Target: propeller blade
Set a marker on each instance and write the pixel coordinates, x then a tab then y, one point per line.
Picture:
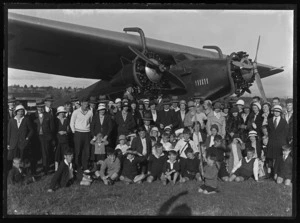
142	56
260	87
173	78
257	49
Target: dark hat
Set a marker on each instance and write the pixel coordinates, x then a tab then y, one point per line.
141	102
166	101
74	98
235	136
49	97
226	106
152	102
11	99
175	99
288	101
147	116
214	126
191	104
102	99
93	100
217	105
133	102
197	96
84	99
124	104
40	103
234	109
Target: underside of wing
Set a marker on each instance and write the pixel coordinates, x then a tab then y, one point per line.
53	47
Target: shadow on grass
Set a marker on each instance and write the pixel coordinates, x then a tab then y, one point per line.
179	210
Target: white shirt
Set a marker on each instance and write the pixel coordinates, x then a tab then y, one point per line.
123	148
19	121
47	109
167	146
144	146
211	143
80	122
217	115
235	154
154	115
181	145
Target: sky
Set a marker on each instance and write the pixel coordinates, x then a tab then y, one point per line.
231	30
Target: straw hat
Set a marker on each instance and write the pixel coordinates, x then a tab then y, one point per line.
40	103
61	109
11	99
101	107
277	108
240	102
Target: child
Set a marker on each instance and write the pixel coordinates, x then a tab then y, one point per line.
99	155
173	139
16	175
155	163
123	146
200	116
170	168
64	175
130	167
110	168
210	174
219	151
247	167
165	141
284	166
62	130
155	133
214	129
191	168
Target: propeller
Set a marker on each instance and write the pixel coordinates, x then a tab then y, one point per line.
257	76
159	67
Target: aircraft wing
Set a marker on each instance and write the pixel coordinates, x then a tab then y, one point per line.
53	47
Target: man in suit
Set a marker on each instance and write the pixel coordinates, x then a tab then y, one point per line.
142	144
278	135
19	134
44	128
147	120
48	105
93	104
11	106
159	103
175	102
181	114
167	116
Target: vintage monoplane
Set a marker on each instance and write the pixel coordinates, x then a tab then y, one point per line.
120	60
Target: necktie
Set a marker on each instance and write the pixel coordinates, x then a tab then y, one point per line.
275	123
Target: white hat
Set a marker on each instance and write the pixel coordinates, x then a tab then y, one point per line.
252	133
240	102
178	131
277	108
208	101
101	107
19	107
257	104
61	109
118	100
146	101
154	129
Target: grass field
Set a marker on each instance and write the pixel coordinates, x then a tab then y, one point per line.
234	199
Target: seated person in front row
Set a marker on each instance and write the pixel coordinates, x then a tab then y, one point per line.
130	167
218	151
64	176
190	169
284	166
110	168
210	175
247	167
16	175
156	162
170	168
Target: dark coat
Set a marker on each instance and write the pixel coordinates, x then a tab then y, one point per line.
62	127
127	126
17	136
284	168
61	176
155	165
258	121
179	120
277	138
137	145
232	126
105	128
137	117
15	177
130	168
167	118
52	112
48	125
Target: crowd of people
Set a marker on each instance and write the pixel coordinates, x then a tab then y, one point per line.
137	141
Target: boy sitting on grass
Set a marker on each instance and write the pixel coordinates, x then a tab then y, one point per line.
110	168
284	166
64	176
170	168
210	175
16	175
130	167
247	167
156	162
190	169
